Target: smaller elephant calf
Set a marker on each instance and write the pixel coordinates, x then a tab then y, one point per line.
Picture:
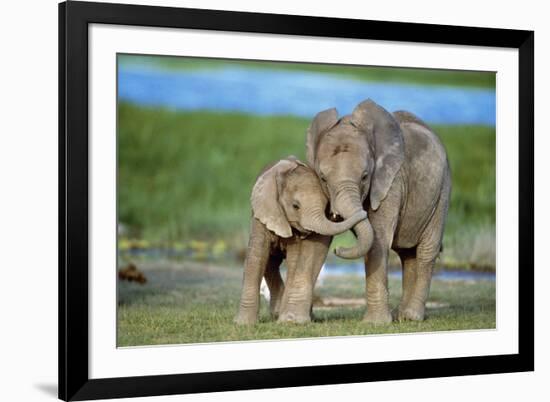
288	222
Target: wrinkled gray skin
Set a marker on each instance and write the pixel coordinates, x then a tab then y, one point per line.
394	167
289	222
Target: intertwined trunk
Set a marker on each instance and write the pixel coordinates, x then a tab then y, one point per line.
316	221
347	203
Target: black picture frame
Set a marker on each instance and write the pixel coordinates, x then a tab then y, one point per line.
74	18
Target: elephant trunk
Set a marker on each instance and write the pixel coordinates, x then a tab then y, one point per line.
365	236
348	203
316	221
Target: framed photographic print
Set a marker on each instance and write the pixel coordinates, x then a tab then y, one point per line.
258	200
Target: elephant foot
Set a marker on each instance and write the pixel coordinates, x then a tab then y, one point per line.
294	318
275	312
245	319
378	317
410	314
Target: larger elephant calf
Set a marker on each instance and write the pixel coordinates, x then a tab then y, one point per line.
394	167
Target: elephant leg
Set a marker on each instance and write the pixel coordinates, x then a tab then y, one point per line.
320	245
257	257
304	261
414	308
427	252
408	266
320	250
295	294
275	284
383	222
378	310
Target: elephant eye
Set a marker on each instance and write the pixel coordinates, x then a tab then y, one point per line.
323	179
296	205
364	177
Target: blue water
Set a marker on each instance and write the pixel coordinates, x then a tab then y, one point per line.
274	92
329	269
445	275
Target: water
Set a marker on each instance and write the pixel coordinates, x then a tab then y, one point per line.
329	269
446	275
303	94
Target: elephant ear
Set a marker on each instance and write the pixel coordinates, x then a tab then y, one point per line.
265	198
321	123
385	135
402	116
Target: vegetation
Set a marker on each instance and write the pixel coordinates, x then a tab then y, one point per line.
364	73
191	302
187	176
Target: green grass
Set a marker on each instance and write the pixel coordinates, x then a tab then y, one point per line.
363	73
186	176
470	228
190	302
183	174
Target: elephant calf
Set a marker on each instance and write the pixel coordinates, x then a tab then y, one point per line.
288	221
395	167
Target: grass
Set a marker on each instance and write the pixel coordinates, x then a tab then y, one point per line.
191	302
363	73
192	173
188	176
470	228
